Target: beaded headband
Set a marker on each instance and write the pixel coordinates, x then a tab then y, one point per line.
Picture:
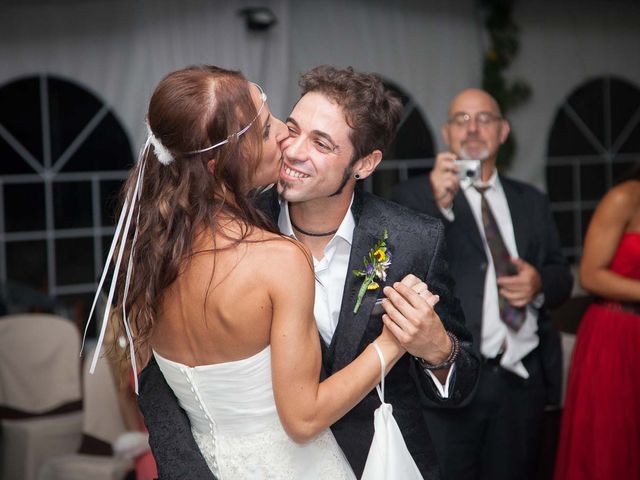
263	97
165	157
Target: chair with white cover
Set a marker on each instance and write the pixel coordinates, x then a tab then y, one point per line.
102	426
40	397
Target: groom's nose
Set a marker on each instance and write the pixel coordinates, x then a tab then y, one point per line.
295	148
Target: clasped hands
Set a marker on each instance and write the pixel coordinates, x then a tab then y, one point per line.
411	318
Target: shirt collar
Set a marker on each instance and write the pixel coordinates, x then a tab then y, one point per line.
345	230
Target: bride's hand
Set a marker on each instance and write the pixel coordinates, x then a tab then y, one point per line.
387	338
390	344
410	316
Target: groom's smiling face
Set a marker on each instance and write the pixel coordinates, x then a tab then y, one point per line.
317	154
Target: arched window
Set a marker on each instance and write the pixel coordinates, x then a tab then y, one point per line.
594	139
412	151
63	156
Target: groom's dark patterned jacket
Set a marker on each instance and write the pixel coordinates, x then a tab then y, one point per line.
417	244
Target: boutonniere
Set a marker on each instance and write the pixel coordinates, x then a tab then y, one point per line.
375	267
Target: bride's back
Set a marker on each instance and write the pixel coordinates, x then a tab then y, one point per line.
219	307
216	318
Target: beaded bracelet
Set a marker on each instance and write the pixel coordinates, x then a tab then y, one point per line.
455	350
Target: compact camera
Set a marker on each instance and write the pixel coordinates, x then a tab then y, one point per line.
469	170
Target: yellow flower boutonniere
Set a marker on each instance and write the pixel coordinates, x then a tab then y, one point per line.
375	267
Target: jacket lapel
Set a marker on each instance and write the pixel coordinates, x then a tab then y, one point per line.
351	326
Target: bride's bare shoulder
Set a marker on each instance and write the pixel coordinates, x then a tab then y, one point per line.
280	247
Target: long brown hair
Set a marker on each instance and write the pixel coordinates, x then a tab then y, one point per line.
190	109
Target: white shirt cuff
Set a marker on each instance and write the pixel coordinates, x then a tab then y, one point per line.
447	213
443	390
538	301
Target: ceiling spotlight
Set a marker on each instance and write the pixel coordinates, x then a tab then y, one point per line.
259	18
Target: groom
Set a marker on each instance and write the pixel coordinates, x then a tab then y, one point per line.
338	131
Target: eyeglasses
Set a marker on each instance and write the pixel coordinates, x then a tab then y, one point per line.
462	119
263	97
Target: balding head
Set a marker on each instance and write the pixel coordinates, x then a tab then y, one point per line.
475	128
474	97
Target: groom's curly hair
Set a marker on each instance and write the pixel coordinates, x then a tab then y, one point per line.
371	110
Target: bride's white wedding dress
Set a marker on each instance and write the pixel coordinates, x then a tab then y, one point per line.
235	423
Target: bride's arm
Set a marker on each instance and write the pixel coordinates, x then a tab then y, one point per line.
305	406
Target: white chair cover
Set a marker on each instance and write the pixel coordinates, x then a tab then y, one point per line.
102	420
102	417
39	372
39	363
28	444
83	467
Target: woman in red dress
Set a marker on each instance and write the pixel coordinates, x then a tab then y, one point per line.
600	434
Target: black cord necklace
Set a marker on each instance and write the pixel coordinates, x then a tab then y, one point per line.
324	234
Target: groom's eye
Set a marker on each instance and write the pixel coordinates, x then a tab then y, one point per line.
323	147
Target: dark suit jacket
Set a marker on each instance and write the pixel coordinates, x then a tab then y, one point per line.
417	245
537	242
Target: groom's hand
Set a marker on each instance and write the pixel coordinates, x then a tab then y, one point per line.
420	288
415	284
413	321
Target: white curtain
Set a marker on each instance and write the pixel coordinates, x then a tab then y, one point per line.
563	45
120	49
432	48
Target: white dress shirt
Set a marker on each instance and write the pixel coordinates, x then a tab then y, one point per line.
330	272
496	336
331	275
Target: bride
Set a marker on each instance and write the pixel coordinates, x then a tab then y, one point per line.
219	297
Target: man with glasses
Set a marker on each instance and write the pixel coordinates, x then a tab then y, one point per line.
506	260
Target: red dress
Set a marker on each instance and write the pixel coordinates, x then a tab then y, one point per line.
600	434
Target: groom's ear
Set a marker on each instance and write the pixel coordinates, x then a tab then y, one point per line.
368	164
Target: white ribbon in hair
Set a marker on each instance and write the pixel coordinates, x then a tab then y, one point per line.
164	156
120	237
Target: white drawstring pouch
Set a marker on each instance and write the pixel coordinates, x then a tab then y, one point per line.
388	458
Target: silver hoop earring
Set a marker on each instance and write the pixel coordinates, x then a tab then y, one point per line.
356	176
